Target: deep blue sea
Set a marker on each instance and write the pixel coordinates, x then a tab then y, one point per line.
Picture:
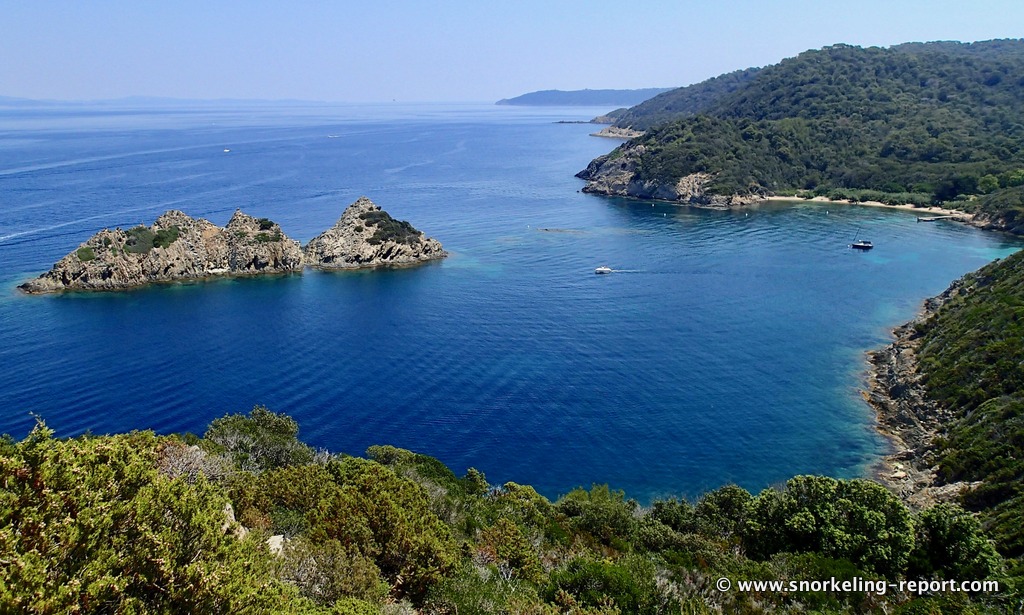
729	346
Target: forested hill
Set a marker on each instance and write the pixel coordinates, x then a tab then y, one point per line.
583	97
920	121
681	102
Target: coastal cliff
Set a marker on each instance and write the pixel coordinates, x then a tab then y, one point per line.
620	174
367	236
175	247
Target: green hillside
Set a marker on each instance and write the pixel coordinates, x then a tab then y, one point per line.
681	102
914	123
972	358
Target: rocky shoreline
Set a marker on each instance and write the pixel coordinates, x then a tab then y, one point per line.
614	132
907	417
177	247
618	174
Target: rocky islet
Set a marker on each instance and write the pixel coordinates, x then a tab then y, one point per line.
366	236
178	247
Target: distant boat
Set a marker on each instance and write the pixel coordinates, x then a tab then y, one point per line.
860	245
226	150
603	270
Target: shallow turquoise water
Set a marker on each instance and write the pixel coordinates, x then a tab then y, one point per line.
730	348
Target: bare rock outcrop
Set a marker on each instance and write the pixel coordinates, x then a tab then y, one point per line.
366	236
175	247
614	132
618	174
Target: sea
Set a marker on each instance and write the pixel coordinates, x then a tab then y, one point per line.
726	346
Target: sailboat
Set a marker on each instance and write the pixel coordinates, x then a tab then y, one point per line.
861	245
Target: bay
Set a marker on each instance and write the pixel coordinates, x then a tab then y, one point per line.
727	347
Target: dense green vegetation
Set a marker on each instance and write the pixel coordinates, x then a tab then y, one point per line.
388	228
681	102
85	254
940	119
140	523
972	358
141	239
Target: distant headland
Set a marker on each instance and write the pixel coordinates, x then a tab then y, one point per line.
177	247
924	124
617	98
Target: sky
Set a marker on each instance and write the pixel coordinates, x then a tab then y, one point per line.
437	50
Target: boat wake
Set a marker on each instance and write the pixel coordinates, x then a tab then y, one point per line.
605	270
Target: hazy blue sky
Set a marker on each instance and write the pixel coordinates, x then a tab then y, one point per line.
458	50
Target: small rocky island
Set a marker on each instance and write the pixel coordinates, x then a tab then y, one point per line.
366	236
175	247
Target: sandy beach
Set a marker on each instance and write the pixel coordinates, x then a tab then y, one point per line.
931	210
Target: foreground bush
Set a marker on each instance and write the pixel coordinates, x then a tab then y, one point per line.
89	525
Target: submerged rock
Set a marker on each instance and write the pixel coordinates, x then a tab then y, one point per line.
175	247
366	236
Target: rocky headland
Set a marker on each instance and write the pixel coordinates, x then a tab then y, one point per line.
175	247
614	132
618	174
367	236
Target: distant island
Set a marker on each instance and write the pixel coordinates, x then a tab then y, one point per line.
177	247
919	123
583	98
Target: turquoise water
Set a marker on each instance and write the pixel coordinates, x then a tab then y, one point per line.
728	348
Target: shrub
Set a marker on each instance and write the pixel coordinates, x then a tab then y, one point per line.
389	229
90	525
268	237
166	236
85	254
329	571
676	514
951	545
857	520
139	240
723	513
505	546
261	441
629	583
605	514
